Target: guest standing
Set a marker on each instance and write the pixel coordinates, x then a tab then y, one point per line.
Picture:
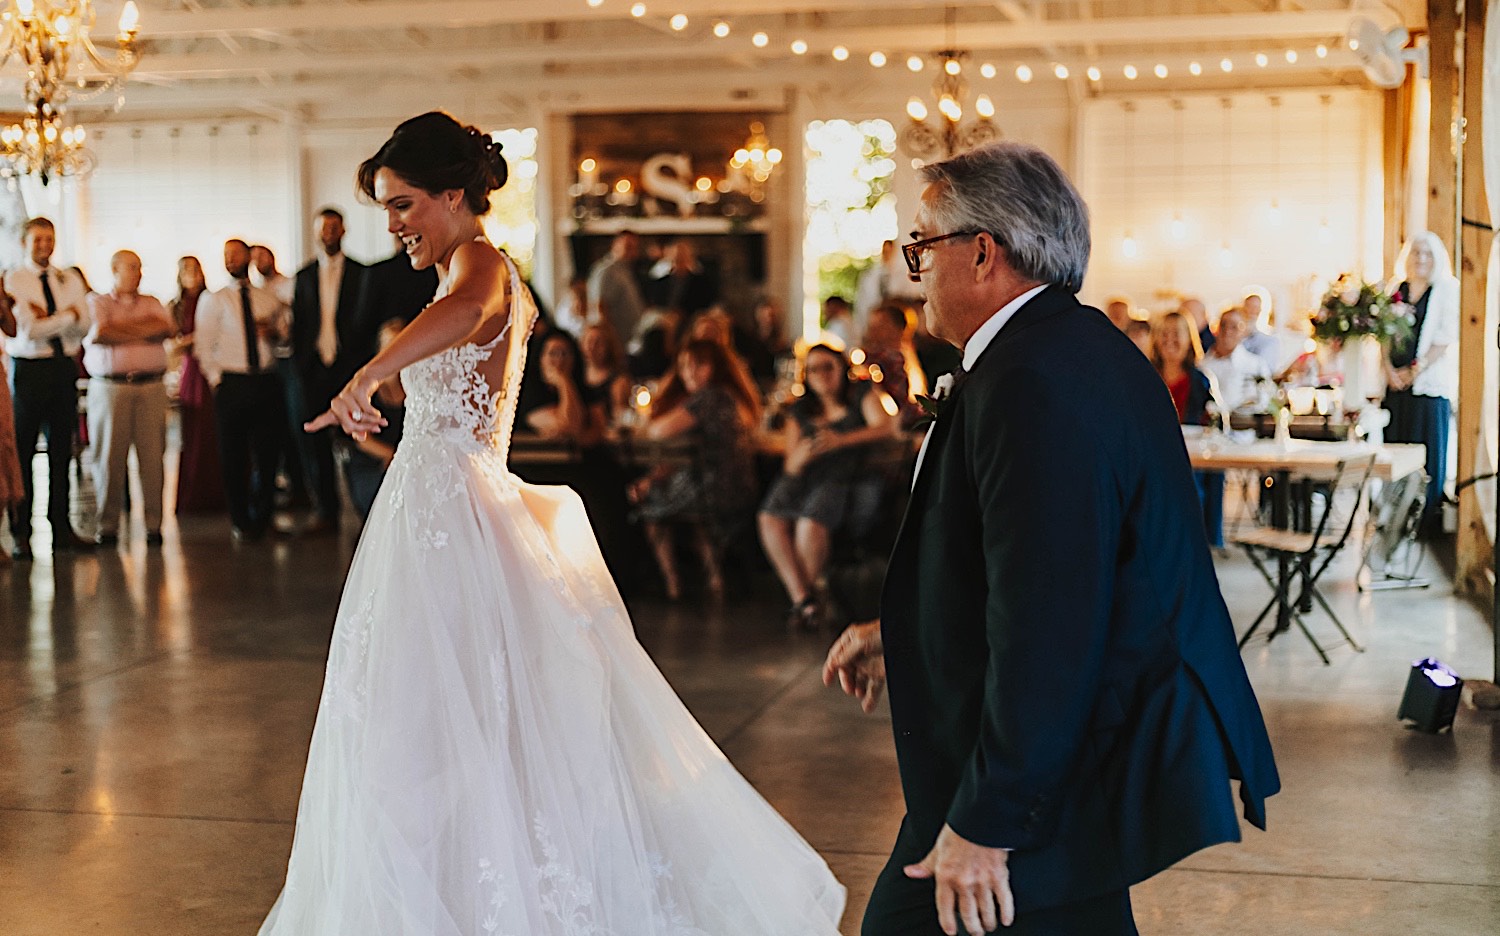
614	294
891	353
1422	372
820	490
294	449
1230	363
767	343
11	488
679	281
237	329
702	400
127	402
393	290
51	320
200	480
606	387
838	320
328	347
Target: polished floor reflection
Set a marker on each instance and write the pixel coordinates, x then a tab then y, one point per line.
155	708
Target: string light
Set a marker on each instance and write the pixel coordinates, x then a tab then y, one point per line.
1023	73
952	67
679	22
1094	73
595	3
914	63
1061	71
760	40
721	29
987	70
1195	69
1291	56
799	47
1322	51
638	11
1261	59
1160	70
1226	66
1130	72
877	59
840	54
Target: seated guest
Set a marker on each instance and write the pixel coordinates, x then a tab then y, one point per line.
1174	351
767	342
1139	331
606	387
127	401
713	324
1194	309
1231	366
653	347
838	319
820	489
369	458
891	353
556	410
704	401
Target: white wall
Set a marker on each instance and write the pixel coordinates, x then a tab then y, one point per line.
1222	177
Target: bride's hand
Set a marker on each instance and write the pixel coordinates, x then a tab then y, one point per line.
351	410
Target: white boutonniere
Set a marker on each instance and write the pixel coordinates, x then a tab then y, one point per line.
942	391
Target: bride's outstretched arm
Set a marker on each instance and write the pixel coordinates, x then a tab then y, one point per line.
480	293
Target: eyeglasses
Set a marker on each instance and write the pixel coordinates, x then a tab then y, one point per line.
915	252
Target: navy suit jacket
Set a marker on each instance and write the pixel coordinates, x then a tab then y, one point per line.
1064	679
356	344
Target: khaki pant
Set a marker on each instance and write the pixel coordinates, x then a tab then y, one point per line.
120	416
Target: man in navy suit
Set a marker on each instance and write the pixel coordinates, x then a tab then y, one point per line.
1068	701
328	346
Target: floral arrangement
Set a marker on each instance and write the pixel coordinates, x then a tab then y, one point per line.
1353	308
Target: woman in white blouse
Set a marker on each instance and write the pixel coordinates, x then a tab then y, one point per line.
1422	371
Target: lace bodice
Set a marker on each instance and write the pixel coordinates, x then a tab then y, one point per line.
448	397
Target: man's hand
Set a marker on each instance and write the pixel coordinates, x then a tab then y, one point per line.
973	884
857	660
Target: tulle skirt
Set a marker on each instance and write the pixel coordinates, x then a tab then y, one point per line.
496	754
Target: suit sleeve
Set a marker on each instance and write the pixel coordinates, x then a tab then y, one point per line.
1050	518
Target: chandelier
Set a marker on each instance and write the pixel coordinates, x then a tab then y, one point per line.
54	39
757	159
948	133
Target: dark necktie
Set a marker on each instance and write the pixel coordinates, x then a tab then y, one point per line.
56	343
252	341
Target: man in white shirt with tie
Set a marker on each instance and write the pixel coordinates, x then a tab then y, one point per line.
237	328
51	320
328	346
295	452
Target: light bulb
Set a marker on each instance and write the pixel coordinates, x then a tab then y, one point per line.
1226	256
877	59
760	40
840	54
1261	60
678	22
1128	247
914	63
799	47
1195	69
916	110
774	156
1160	70
984	107
1061	71
1226	66
1322	50
622	186
1023	73
638	11
26	8
596	3
987	70
950	109
1094	73
1291	56
952	67
588	165
1353	45
1179	228
1130	72
721	29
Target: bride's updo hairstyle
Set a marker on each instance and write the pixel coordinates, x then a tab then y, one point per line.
436	153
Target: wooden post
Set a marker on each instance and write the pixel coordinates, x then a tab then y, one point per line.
1442	171
1474	549
1397	116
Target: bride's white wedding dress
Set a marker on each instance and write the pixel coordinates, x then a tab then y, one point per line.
494	752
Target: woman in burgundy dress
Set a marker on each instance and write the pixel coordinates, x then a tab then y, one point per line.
200	485
10	463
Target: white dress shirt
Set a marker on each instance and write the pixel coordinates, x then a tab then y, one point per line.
330	279
34	331
130	357
973	348
220	334
1235	374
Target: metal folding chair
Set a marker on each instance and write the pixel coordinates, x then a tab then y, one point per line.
1305	555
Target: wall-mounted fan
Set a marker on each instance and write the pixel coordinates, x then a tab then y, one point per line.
1383	52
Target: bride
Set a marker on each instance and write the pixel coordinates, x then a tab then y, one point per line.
494	752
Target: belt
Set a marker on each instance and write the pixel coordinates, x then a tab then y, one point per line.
139	377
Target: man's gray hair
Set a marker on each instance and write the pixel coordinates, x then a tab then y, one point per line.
1021	197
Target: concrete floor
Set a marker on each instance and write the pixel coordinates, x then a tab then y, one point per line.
155	708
